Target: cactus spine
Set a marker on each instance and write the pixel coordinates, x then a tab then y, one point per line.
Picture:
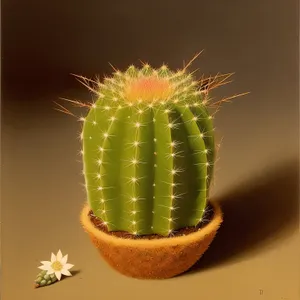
148	151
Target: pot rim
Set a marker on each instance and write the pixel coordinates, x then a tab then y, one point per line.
212	226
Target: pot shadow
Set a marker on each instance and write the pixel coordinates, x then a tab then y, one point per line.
257	215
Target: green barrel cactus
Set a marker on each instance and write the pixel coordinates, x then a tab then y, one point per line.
148	151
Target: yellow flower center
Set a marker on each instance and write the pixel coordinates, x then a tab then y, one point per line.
148	89
56	266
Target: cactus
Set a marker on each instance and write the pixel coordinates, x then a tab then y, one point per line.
148	151
43	279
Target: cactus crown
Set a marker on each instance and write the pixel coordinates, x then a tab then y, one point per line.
148	87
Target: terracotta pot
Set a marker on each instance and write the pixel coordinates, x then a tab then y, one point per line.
153	259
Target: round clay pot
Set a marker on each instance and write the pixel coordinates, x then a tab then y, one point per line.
156	258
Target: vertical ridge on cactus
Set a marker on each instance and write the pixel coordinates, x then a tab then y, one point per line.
148	151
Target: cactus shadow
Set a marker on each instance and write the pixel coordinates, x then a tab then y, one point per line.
257	215
74	273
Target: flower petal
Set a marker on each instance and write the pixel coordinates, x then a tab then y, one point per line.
64	259
46	263
50	271
58	275
66	272
68	266
59	255
45	268
53	257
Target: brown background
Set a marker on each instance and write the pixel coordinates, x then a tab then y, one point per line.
255	255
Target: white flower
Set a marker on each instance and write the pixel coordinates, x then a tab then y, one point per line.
57	265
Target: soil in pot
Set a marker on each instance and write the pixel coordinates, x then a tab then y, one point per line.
208	216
